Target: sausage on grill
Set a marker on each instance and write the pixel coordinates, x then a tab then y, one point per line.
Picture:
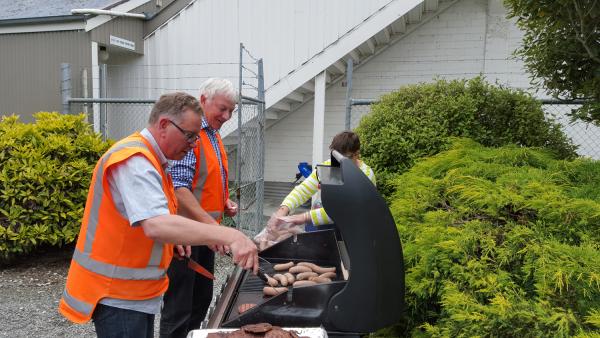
283	266
306	275
281	278
298	269
304	283
271	291
272	281
291	279
328	275
316	268
320	279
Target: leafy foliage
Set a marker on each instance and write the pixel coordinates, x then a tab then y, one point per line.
415	122
561	48
45	172
499	242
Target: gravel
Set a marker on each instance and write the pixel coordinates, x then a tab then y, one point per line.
31	290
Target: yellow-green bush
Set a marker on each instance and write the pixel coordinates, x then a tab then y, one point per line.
499	242
45	170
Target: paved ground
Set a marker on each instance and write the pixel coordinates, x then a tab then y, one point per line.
31	289
30	292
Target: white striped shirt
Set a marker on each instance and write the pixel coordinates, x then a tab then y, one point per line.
309	187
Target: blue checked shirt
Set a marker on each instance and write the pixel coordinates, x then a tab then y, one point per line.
183	170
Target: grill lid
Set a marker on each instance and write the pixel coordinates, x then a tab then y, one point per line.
374	295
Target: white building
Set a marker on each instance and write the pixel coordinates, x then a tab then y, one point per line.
304	45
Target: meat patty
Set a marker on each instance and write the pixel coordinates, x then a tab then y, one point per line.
257	328
245	307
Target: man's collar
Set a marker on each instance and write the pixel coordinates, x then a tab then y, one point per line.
161	157
207	126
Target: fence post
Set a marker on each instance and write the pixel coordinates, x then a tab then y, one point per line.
84	91
103	106
260	185
65	86
238	162
349	68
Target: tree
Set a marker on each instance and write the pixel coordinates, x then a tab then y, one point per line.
561	49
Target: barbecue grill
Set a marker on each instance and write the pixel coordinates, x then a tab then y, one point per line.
368	291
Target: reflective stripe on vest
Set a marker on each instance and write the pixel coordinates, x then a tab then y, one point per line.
114	271
81	306
157	249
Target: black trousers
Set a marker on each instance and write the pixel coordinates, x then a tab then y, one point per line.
112	322
189	295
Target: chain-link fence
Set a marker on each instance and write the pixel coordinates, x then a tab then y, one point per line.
585	135
250	147
358	109
118	118
243	134
248	154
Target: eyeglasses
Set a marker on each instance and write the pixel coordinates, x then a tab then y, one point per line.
190	136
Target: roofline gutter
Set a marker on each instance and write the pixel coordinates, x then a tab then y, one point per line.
108	12
42	20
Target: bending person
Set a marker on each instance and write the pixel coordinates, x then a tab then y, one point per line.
118	273
201	187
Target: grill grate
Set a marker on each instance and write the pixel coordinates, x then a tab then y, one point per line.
252	283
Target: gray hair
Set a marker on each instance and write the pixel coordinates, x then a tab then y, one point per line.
215	86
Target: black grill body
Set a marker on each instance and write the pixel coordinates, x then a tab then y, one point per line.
365	242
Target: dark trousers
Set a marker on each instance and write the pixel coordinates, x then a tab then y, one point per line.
112	322
189	295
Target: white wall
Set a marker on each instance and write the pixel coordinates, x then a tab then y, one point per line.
203	40
470	38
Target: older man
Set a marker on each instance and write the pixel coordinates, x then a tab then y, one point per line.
201	187
118	271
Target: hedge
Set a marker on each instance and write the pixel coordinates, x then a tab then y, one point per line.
499	242
45	173
415	122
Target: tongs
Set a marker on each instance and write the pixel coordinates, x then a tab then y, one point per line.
261	273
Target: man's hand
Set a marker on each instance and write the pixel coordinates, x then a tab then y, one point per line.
231	208
220	249
182	251
245	252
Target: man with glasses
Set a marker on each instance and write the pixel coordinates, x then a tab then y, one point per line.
190	136
118	271
201	187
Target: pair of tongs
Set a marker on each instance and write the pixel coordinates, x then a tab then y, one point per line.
261	273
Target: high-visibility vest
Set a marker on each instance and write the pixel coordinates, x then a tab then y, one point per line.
207	184
112	258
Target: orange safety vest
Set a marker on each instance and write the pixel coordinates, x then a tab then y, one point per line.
206	184
112	258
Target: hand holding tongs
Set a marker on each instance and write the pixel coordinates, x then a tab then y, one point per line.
261	273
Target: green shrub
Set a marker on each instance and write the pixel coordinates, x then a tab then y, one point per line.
499	242
415	122
45	171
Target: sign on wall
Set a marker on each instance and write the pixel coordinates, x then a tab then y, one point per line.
117	41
